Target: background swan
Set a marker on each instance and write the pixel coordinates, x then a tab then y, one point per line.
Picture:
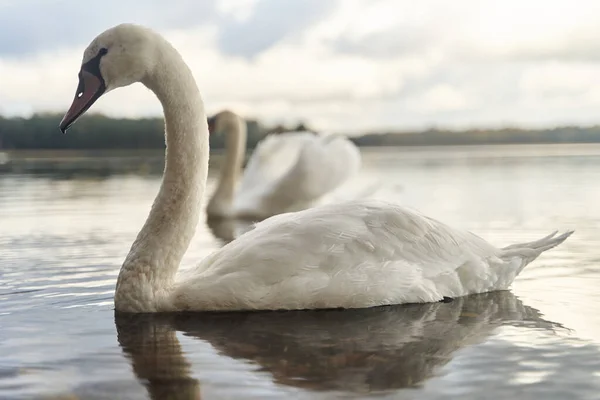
286	172
351	255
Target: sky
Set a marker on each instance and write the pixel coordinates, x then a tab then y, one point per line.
344	66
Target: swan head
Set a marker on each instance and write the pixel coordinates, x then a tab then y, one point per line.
118	57
223	121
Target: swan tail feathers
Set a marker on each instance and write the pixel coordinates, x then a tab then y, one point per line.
531	250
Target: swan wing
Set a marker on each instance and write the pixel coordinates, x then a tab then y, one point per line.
314	166
323	165
353	254
271	159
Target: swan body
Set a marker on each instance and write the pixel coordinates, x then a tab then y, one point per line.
286	172
352	254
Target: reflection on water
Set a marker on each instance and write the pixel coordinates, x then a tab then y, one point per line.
65	230
361	351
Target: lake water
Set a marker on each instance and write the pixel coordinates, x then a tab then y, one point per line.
66	225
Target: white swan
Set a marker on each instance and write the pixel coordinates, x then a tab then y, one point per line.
351	255
287	172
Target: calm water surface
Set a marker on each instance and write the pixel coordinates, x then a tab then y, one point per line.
64	235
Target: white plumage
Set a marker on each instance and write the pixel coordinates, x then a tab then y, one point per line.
351	254
286	172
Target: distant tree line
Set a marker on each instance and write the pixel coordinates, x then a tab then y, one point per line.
96	131
568	134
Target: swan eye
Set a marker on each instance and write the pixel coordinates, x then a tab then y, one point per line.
102	51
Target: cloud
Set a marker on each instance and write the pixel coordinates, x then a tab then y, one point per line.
31	26
390	29
270	22
347	66
472	30
63	23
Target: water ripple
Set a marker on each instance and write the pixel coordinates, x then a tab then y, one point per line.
62	242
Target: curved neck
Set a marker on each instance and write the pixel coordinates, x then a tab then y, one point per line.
235	150
150	267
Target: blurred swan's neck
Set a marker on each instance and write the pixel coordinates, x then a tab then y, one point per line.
220	205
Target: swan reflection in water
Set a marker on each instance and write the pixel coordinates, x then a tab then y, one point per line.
353	351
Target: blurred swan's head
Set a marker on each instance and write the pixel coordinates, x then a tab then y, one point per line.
223	121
